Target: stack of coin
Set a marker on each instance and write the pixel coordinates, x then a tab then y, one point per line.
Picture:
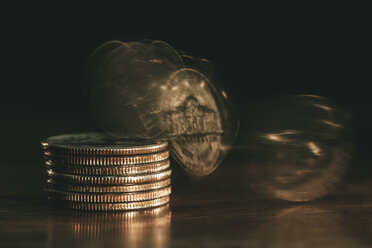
93	171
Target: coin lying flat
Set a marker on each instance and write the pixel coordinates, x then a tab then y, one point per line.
108	189
97	172
99	144
123	170
108	180
109	198
106	161
112	206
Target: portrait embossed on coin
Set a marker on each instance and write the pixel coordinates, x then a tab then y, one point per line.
192	120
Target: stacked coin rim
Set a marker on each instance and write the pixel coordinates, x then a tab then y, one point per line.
106	177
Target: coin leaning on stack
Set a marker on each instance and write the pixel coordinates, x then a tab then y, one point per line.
93	171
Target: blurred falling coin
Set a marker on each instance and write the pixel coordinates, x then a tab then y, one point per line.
152	94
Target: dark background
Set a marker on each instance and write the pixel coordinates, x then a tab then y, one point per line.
260	51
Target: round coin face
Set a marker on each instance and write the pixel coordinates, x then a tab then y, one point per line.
125	206
122	77
194	122
144	90
99	144
298	147
198	123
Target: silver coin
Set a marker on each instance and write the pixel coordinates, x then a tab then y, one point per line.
135	71
108	189
123	170
106	161
108	180
99	144
112	206
164	99
108	198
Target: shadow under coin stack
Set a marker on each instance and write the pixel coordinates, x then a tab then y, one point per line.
95	172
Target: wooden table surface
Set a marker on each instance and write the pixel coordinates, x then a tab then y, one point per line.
218	211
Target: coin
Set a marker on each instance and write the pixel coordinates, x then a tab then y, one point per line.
94	171
107	161
112	206
109	198
112	170
108	189
108	180
99	144
136	71
164	99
